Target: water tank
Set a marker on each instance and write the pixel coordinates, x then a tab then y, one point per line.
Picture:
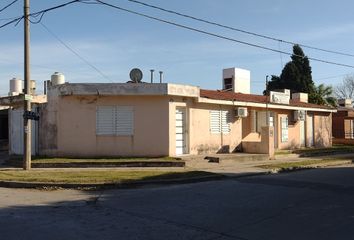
16	87
57	78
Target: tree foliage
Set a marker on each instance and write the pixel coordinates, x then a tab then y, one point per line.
323	95
296	75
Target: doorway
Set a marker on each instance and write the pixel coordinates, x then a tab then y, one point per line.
309	130
181	131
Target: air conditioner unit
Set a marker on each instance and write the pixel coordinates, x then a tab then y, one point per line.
299	115
241	112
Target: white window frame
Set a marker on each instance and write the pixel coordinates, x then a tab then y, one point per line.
220	121
284	129
115	121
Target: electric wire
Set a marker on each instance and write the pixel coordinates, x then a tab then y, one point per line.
218	35
18	19
8	5
240	30
75	52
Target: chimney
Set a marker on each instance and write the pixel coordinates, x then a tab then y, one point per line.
236	80
345	103
300	97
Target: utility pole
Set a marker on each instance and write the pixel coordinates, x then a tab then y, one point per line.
27	102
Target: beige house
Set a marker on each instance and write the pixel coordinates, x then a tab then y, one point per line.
163	119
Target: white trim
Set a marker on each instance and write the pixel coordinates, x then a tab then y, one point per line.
261	105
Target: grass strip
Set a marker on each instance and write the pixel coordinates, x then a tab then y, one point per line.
95	176
301	164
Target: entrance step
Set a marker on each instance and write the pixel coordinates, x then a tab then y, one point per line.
227	158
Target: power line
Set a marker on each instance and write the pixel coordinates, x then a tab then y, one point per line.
74	52
218	35
8	5
240	30
42	12
10	18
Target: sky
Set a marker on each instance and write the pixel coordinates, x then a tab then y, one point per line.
115	42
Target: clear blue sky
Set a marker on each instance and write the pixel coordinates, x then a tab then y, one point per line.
116	42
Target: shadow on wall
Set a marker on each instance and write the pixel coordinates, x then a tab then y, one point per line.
212	149
224	149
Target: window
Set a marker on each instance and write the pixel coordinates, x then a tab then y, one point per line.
219	121
284	129
115	120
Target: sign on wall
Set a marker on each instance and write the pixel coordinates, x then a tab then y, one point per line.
280	97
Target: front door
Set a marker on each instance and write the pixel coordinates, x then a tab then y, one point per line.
302	133
309	131
181	143
273	123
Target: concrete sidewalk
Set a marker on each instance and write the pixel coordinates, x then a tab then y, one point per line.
241	168
229	165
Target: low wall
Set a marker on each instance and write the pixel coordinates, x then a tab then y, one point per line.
264	145
343	141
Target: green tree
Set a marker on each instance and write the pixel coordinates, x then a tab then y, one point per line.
296	74
323	95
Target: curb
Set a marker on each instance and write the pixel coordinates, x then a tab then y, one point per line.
314	166
14	184
132	164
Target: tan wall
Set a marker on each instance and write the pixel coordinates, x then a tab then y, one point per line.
260	143
293	131
199	139
323	129
76	128
68	128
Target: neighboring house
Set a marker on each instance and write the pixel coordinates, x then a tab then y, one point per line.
4	133
343	122
163	119
11	118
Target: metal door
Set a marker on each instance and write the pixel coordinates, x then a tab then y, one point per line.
302	133
181	143
16	133
309	131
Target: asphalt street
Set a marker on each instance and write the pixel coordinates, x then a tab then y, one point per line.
309	204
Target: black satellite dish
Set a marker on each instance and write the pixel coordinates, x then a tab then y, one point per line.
136	75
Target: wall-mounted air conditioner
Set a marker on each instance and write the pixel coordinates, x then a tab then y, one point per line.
299	115
241	112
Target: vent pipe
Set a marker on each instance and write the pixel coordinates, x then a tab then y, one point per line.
161	75
152	75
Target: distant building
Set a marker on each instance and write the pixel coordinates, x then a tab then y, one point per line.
343	122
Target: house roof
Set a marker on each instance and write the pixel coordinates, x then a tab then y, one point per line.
232	96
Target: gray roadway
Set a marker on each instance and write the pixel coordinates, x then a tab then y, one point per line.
311	204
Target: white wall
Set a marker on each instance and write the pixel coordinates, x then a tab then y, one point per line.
16	133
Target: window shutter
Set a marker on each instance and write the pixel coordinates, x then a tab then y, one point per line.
225	120
215	121
124	120
220	121
115	120
105	120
